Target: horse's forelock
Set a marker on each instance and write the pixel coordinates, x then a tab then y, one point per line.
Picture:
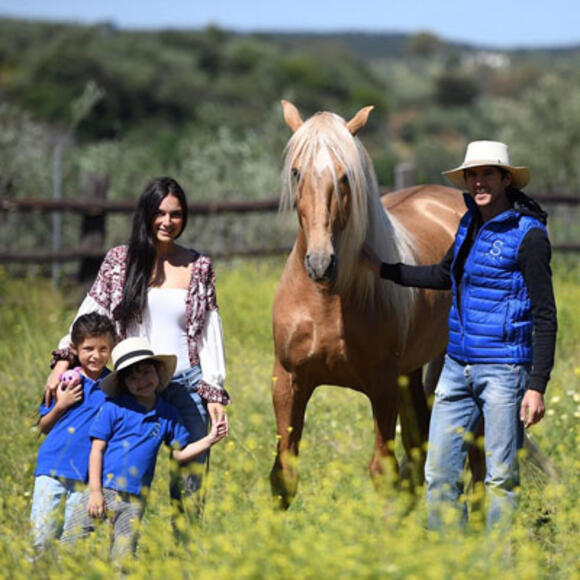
323	134
367	219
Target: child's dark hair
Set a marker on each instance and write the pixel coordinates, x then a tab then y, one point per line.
92	324
124	373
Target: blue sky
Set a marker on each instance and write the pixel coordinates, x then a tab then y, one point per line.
493	23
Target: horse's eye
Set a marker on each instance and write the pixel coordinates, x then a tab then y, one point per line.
295	173
344	179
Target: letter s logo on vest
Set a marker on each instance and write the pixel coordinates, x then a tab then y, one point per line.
496	248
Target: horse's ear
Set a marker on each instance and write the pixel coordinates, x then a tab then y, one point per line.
291	115
359	120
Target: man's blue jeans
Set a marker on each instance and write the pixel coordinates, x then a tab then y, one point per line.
465	394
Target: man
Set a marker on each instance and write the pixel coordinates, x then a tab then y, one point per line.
502	329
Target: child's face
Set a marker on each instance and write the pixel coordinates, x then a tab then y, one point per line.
93	353
143	381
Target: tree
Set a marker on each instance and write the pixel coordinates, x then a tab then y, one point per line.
423	45
455	89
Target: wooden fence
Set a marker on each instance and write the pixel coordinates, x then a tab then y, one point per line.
95	207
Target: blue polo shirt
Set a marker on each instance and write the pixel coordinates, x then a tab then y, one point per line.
65	450
133	437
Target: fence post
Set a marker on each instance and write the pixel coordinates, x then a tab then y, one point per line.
404	175
96	188
57	215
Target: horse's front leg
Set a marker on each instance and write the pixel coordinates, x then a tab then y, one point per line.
290	400
384	396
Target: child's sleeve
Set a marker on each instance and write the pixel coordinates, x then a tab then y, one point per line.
44	410
104	423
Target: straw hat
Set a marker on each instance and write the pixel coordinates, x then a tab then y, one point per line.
495	153
131	351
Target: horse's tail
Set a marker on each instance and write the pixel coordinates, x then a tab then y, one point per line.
432	372
414	415
539	459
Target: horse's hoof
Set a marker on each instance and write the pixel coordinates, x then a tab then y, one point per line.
282	495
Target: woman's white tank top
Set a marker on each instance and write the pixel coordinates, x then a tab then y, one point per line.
166	324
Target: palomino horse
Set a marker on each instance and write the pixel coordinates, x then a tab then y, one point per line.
335	322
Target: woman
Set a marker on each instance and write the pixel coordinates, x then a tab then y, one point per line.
159	290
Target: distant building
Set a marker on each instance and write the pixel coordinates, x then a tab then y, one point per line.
486	58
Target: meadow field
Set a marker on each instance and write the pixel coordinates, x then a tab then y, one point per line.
339	526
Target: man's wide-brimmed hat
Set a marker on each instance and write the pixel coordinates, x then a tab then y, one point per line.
495	153
131	351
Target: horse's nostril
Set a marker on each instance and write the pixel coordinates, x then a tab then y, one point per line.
320	266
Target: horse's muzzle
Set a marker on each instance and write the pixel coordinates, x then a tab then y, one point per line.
320	266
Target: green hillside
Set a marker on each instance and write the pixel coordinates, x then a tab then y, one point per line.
204	106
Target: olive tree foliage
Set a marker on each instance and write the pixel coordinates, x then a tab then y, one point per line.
423	44
453	88
25	154
219	164
543	131
408	83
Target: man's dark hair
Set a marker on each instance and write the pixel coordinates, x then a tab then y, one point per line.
89	325
511	189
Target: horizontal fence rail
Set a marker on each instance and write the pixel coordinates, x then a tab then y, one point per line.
101	207
206	208
40	257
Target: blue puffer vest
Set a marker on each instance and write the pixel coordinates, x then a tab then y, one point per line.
493	321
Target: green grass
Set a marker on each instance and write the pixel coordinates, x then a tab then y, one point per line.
338	526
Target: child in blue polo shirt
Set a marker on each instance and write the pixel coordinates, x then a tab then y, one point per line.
63	458
126	436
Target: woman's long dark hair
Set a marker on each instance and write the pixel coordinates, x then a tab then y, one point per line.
141	254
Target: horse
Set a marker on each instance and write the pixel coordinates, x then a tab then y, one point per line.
334	321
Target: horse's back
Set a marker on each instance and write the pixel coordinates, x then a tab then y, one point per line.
404	199
430	214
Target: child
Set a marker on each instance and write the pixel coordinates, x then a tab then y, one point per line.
126	436
63	458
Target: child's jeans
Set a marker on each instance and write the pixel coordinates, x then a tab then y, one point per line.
49	493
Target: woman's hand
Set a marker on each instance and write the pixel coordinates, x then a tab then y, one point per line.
218	414
53	381
218	432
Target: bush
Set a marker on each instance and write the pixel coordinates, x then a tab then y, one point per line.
453	89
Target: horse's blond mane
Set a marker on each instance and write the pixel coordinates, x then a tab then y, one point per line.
326	134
